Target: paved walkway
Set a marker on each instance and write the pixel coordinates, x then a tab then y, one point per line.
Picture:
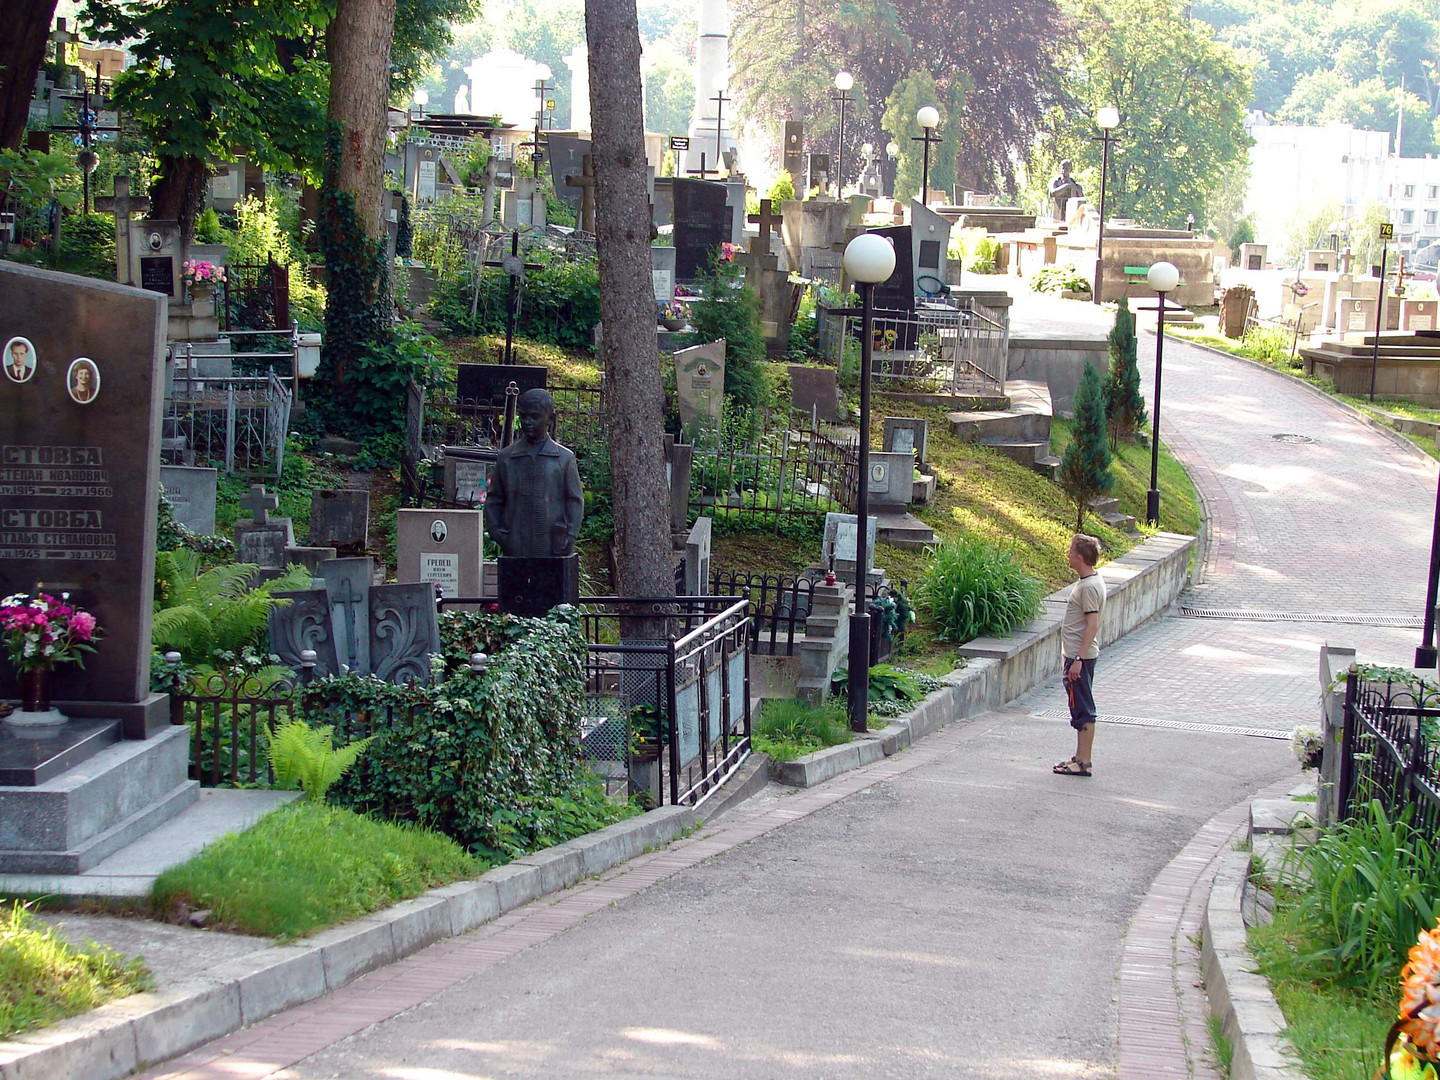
955	910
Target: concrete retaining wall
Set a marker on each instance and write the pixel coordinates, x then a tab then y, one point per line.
1058	363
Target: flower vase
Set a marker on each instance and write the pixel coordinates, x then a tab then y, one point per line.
35	710
202	300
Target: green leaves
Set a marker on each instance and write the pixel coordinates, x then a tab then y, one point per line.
1085	469
305	755
974	588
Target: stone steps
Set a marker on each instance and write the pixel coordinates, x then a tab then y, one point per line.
1107	509
1029	454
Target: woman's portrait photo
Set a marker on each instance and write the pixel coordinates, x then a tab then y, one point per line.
19	358
83	380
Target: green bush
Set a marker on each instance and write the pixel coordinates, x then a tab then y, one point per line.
974	588
560	302
1085	468
1054	279
729	309
1373	885
892	690
1268	343
975	249
492	760
87	246
783	188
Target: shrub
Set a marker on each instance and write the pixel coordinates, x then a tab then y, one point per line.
1085	469
492	759
975	249
300	754
560	302
729	309
783	188
1054	279
974	588
210	617
1374	884
1124	404
1268	343
892	690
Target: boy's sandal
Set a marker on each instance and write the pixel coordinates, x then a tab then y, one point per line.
1073	767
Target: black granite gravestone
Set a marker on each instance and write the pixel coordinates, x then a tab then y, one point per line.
80	482
702	223
794	149
532	586
895	296
484	384
567	158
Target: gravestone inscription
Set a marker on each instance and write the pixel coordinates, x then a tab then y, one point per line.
80	479
262	540
700	382
441	548
191	491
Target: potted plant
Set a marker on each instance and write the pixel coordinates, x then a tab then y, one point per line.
672	316
40	632
647	733
202	279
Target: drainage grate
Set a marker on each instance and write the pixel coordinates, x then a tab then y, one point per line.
1402	622
1172	725
1289	437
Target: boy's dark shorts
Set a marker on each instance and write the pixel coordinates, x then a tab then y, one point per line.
1080	692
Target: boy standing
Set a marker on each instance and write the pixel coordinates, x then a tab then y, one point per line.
1079	647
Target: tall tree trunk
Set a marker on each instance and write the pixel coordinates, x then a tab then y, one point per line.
358	46
22	51
178	193
634	400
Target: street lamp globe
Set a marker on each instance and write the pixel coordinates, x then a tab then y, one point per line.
422	97
867	149
928	117
1107	118
720	83
869	259
892	149
844	81
1163	277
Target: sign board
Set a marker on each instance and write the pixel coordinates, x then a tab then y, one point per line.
550	104
1387	231
679	142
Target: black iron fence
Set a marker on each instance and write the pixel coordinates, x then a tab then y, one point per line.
231	718
1389	750
773	469
257	295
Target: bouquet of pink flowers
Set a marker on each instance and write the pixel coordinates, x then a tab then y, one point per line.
40	632
199	272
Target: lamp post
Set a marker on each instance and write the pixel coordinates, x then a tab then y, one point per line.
843	82
1163	277
869	259
1425	655
927	118
720	85
421	99
892	151
1107	119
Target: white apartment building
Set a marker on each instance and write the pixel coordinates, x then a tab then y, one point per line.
1294	171
1413	192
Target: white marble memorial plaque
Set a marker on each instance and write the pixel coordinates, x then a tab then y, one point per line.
1421	322
1358	320
903	441
441	569
660	283
845	534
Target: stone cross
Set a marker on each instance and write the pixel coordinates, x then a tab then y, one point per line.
352	604
260	503
766	219
122	204
586	183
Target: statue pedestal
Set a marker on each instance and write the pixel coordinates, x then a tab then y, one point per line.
532	586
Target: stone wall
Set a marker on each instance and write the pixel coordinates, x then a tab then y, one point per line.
1058	363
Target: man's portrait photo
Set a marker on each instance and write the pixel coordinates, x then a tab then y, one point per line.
19	359
83	381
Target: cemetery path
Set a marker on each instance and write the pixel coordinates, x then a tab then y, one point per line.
954	910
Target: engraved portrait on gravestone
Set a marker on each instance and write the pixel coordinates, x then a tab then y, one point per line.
1063	188
19	359
83	381
534	503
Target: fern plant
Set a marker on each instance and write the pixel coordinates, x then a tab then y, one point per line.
212	616
305	755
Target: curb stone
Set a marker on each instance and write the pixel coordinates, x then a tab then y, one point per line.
1240	996
144	1029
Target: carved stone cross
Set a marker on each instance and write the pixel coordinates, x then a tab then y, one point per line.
766	219
122	204
586	183
260	503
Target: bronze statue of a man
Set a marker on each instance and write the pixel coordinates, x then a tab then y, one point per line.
1063	188
534	504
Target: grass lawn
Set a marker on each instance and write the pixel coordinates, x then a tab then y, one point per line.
308	866
1339	1033
43	978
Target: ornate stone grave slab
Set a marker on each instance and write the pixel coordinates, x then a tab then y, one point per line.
441	548
156	252
340	518
348	585
79	477
404	632
191	492
304	623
